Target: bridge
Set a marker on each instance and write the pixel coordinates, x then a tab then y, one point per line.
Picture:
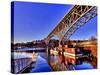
72	21
77	16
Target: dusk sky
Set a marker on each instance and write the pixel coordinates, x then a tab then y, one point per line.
34	21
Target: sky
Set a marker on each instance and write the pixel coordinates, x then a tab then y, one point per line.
34	21
86	31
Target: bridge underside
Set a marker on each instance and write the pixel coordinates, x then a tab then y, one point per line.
72	21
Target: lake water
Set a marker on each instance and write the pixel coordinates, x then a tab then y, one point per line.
41	64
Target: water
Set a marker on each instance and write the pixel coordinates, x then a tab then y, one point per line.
18	55
28	49
42	54
83	66
41	64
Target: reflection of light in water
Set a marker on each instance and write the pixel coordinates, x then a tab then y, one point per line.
54	58
22	55
81	64
23	49
41	65
84	65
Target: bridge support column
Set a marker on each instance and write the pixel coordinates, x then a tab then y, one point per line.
61	44
48	53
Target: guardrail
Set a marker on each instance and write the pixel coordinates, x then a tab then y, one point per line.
19	65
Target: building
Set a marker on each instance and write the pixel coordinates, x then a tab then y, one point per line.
73	55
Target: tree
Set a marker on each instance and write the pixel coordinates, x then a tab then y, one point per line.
93	38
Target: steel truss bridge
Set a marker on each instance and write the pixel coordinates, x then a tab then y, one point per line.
72	21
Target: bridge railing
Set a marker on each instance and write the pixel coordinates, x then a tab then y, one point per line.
20	64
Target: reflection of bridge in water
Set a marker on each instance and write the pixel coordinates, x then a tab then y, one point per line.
73	20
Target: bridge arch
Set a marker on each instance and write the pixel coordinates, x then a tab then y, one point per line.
73	20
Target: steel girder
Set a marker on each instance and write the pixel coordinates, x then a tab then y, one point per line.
80	22
73	20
